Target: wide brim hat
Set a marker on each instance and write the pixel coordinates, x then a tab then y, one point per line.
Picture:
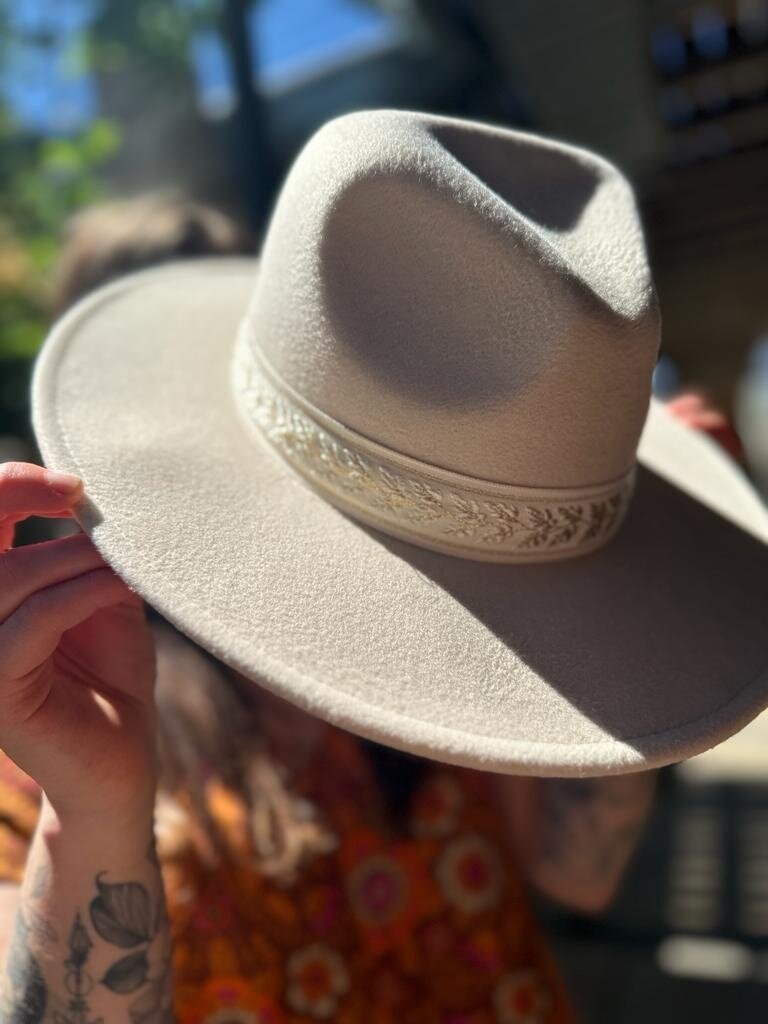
431	506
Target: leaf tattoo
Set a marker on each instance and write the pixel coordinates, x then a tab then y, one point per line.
128	974
125	916
148	1007
121	913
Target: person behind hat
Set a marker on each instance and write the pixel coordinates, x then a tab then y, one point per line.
113	238
361	908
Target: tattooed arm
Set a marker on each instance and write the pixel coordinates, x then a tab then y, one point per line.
90	943
575	836
77	714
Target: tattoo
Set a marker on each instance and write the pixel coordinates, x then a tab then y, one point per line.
77	980
122	914
155	1004
590	826
25	997
45	936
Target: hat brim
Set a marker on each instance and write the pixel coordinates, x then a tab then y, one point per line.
643	653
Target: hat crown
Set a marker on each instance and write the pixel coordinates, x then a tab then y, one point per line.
472	297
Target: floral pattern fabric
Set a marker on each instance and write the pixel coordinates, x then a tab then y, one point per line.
426	926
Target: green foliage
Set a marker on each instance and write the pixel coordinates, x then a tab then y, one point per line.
155	32
42	182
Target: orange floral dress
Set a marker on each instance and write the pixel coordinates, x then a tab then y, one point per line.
432	927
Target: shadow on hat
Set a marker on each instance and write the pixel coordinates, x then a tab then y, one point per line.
402	470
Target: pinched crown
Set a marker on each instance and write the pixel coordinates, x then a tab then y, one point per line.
471	298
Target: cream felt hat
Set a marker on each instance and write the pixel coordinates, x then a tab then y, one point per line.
391	470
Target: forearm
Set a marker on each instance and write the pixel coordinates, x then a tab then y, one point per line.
586	831
91	939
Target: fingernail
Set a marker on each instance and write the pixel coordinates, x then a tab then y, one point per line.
62	483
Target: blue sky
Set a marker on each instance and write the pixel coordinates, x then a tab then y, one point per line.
292	36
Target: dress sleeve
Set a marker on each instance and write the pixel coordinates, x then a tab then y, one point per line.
19	810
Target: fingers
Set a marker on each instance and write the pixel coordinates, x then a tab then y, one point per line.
26	489
686	402
24	571
698	412
32	633
32	490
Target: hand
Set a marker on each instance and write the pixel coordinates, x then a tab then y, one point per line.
696	410
77	664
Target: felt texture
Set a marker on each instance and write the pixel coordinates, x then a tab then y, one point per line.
643	653
419	502
445	288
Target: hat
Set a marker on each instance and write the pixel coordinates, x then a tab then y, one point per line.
391	470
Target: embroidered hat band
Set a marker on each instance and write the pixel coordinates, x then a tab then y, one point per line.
427	505
441	310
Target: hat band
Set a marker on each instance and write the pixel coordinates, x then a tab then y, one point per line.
424	504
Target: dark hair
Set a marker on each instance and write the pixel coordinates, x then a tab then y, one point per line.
397	775
208	723
207	717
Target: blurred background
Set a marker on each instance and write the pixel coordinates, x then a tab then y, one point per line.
211	99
